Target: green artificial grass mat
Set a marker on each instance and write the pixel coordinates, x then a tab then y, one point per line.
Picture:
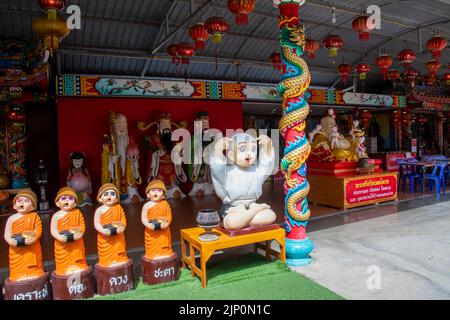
250	277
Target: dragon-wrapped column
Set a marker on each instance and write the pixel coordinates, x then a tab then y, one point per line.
295	80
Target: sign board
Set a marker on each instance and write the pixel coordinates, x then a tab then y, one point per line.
371	190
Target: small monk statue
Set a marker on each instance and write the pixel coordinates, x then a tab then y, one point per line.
238	181
22	232
110	222
67	227
156	216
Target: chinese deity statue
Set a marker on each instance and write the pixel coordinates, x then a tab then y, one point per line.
22	232
115	159
78	178
156	216
328	144
160	146
113	262
133	177
200	173
239	183
67	228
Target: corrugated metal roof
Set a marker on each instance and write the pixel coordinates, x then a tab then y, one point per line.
117	36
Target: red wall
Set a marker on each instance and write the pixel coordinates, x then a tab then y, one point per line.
82	122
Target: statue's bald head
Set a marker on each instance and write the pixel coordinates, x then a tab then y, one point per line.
243	149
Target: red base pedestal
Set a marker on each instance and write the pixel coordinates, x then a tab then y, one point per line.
160	270
339	169
72	287
248	230
115	279
36	289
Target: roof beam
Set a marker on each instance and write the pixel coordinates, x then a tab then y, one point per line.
140	54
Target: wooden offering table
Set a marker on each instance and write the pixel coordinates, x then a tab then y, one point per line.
354	190
207	249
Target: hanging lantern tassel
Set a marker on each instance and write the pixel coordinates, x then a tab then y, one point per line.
185	74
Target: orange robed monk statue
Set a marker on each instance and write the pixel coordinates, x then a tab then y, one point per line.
160	262
110	222
27	278
114	270
22	232
67	227
156	217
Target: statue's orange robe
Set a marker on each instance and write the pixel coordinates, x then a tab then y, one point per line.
26	261
71	254
158	242
112	249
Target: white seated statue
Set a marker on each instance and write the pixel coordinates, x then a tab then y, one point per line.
238	181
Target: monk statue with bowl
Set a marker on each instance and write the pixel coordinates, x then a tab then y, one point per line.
72	278
160	262
238	181
27	278
114	270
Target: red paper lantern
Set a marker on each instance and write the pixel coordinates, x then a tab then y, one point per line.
275	58
446	78
217	27
333	43
311	46
185	51
429	79
433	66
409	76
199	34
360	25
383	62
363	69
344	71
393	75
172	51
241	8
436	45
52	4
406	57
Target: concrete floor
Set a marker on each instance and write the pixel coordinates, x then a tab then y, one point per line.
409	250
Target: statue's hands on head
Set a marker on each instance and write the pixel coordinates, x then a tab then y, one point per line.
220	145
264	140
